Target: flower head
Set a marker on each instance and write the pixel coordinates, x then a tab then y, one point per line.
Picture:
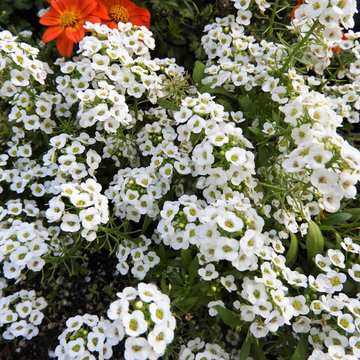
112	12
65	20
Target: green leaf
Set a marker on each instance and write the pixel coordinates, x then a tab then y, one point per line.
205	88
257	132
355	213
186	305
301	351
199	73
219	90
228	317
337	219
225	104
314	241
246	103
293	250
245	350
186	258
263	157
166	104
193	269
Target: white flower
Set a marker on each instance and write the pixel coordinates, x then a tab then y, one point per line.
70	222
95	341
337	258
149	292
24	309
160	337
324	180
208	273
354	272
118	309
258	331
211	305
136	349
230	222
228	283
75	347
345	321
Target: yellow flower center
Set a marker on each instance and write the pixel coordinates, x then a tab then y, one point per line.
68	18
119	14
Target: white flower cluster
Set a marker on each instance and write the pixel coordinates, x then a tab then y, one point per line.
236	59
86	335
346	97
268	305
150	315
21	243
198	349
21	314
91	205
20	61
142	260
144	310
313	152
330	39
317	145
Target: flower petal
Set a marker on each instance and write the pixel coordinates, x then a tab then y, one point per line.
51	33
75	33
51	18
64	45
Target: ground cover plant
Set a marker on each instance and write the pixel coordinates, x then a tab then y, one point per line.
151	211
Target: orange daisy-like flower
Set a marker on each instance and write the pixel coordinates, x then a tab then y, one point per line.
65	19
113	11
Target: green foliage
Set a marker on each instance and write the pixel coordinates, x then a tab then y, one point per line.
13	14
178	27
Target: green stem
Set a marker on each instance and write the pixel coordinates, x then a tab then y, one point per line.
283	342
136	108
270	28
273	187
259	351
299	45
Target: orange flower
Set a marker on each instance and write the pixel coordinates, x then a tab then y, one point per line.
65	19
113	11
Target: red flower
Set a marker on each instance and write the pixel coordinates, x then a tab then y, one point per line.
113	11
65	19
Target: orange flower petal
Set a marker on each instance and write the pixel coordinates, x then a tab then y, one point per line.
64	45
51	18
52	33
75	33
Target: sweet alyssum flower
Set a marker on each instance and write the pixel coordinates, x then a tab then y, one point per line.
65	20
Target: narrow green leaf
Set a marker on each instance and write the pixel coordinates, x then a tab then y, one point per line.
193	269
263	157
228	317
225	104
199	73
246	103
293	250
166	104
186	305
245	350
219	90
337	219
257	132
301	351
354	212
314	241
205	88
186	258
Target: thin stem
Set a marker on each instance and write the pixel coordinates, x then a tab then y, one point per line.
299	45
270	28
